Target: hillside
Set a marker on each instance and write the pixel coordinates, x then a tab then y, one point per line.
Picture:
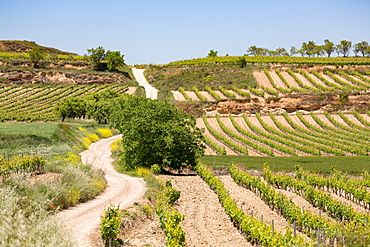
22	46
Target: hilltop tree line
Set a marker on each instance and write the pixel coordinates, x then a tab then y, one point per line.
310	48
99	58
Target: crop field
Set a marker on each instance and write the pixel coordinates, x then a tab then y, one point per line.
296	134
273	209
17	55
336	61
36	103
275	83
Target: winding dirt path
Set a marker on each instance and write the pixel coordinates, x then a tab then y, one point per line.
121	190
150	91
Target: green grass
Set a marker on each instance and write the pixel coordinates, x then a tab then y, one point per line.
26	208
323	164
44	130
201	76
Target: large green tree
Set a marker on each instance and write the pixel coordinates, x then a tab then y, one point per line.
71	108
100	104
114	59
155	132
96	56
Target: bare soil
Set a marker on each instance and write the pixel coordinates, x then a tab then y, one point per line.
290	79
192	95
277	79
206	222
253	204
207	95
262	79
178	96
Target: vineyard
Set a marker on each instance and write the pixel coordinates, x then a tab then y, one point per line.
273	209
276	83
36	103
339	134
337	61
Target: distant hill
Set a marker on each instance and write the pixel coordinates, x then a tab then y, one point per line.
24	46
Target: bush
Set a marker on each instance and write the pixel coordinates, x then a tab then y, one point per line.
156	169
109	226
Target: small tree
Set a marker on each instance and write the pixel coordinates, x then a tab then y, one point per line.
309	48
212	53
293	51
36	55
114	59
96	56
109	226
344	47
361	47
252	50
99	105
328	47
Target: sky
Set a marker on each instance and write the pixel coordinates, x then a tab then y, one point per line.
162	31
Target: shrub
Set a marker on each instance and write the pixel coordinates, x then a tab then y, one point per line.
110	224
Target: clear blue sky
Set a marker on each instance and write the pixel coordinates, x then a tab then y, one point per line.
163	31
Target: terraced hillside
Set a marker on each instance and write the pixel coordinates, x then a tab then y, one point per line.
36	103
276	83
339	134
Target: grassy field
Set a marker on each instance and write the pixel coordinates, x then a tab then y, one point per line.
200	76
44	130
25	206
323	164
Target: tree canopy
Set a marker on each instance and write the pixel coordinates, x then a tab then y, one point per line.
212	53
36	55
113	59
155	132
94	105
96	56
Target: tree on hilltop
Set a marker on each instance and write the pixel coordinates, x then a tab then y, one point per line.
293	51
212	53
344	47
361	47
36	55
309	48
328	47
96	56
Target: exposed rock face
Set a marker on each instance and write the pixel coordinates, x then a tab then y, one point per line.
35	76
292	103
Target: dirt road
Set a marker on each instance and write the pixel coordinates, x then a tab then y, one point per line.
121	189
150	91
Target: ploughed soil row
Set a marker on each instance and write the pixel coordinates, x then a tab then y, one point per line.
206	222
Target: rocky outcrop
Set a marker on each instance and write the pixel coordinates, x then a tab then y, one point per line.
292	103
34	77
